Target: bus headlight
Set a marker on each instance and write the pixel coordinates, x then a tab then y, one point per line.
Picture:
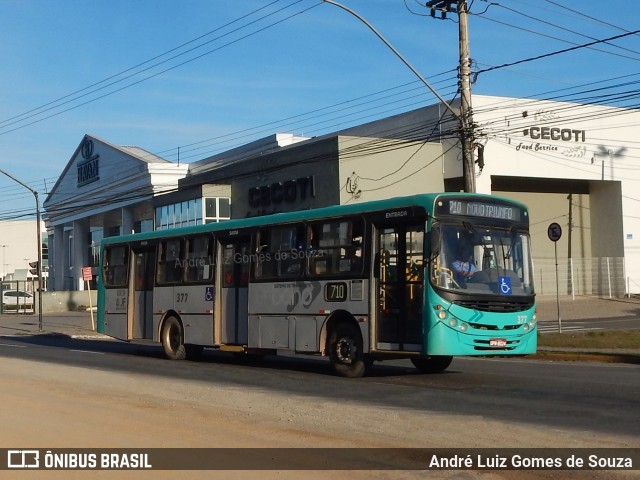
442	313
531	324
463	327
453	322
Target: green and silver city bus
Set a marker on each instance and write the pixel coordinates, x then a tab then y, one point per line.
357	283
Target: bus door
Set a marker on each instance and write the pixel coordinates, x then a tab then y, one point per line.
140	314
399	286
236	262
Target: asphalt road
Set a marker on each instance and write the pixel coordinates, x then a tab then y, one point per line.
601	399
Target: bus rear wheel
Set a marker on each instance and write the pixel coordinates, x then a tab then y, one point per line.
433	364
172	338
345	351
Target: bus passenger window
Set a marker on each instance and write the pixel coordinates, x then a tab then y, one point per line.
170	261
280	252
336	248
115	266
199	259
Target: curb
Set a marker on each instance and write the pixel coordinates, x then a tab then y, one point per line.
586	357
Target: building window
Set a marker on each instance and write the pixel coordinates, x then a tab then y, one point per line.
217	209
142	226
191	212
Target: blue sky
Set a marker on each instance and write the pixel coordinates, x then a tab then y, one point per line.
264	66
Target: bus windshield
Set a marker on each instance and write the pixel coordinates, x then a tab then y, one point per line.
474	259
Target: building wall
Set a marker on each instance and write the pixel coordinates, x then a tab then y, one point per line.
375	169
18	245
577	146
299	177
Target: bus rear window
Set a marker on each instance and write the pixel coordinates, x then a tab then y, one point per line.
115	266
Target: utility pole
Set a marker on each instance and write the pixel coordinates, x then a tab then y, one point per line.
466	116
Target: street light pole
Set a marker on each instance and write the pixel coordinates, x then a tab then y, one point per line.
386	42
39	243
4	263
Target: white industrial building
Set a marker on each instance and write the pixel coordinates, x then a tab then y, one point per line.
18	248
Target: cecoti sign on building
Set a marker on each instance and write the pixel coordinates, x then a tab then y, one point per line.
555	133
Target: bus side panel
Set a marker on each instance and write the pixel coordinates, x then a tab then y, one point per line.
290	315
115	313
194	304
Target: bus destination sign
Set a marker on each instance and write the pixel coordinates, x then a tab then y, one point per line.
483	209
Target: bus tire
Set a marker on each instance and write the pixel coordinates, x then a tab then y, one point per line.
345	351
172	338
432	364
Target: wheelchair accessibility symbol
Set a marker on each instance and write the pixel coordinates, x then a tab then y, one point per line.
208	294
505	285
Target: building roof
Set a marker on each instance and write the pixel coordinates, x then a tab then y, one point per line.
253	149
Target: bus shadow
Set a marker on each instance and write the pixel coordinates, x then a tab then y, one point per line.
282	361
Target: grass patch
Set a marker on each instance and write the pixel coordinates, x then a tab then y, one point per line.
608	339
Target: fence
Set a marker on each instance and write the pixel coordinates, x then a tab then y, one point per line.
17	296
52	302
602	277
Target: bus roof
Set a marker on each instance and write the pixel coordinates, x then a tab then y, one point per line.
424	200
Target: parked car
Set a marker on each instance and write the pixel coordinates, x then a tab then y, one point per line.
16	300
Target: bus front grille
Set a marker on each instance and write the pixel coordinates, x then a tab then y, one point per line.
497	306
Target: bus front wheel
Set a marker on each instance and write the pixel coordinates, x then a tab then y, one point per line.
345	351
433	364
173	339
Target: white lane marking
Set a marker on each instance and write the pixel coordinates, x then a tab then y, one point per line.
10	345
87	351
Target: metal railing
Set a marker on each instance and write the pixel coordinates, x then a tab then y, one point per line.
601	276
17	296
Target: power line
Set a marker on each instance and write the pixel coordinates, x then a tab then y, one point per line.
143	79
564	28
130	69
557	52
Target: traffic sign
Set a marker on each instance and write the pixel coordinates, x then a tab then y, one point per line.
87	275
554	232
